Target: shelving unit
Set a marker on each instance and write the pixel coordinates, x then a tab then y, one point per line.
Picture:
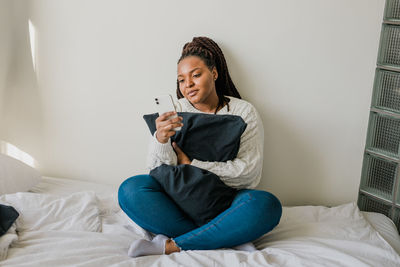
380	186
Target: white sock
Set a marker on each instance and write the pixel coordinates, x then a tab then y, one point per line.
246	247
149	235
143	247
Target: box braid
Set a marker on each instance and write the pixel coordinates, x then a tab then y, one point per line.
207	50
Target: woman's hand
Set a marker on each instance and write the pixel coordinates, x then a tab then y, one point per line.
165	127
182	158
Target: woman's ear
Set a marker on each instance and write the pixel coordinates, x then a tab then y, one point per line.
214	73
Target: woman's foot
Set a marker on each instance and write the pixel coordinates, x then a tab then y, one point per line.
143	247
171	247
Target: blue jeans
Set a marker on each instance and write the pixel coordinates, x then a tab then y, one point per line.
252	214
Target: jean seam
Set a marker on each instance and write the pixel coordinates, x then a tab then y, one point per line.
214	224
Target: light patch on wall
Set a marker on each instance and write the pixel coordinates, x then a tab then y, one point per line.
32	39
13	151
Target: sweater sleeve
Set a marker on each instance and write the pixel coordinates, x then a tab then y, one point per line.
159	153
245	170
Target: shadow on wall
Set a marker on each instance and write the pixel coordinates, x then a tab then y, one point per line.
5	44
280	162
308	185
293	169
22	113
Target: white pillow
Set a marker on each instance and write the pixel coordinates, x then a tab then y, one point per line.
385	227
16	176
44	212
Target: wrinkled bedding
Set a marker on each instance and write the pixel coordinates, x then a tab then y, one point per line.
89	229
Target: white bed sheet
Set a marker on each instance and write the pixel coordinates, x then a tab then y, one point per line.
385	227
306	235
59	186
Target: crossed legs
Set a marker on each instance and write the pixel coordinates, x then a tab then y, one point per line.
252	214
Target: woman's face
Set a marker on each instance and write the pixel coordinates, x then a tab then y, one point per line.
197	81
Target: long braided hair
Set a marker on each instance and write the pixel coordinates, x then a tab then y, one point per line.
207	50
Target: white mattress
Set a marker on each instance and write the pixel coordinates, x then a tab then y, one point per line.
72	223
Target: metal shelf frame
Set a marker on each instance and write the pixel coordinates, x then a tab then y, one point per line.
380	179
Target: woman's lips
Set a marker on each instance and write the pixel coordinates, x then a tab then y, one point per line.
192	93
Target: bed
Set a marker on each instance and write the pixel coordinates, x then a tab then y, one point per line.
67	222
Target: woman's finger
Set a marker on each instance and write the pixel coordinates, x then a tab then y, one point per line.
168	126
176	147
170	121
166	115
176	122
170	133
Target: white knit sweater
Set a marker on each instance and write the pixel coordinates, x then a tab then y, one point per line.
242	172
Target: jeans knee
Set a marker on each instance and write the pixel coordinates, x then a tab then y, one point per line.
270	206
128	189
124	189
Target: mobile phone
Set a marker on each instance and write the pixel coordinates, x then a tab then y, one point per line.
165	103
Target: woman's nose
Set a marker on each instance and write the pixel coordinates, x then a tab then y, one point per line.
189	83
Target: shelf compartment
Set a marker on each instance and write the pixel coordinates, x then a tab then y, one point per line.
383	134
387	90
366	203
378	176
396	217
389	51
392	10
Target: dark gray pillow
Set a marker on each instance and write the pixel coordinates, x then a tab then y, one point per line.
206	137
8	215
199	193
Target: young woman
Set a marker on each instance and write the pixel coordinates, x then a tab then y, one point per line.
203	86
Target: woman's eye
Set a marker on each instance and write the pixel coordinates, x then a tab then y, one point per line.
196	75
180	81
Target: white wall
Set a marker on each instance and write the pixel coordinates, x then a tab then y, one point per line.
307	66
5	42
22	119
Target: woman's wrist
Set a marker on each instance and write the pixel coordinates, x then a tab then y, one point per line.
161	140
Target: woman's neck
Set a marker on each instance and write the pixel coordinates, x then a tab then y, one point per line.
207	108
211	107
